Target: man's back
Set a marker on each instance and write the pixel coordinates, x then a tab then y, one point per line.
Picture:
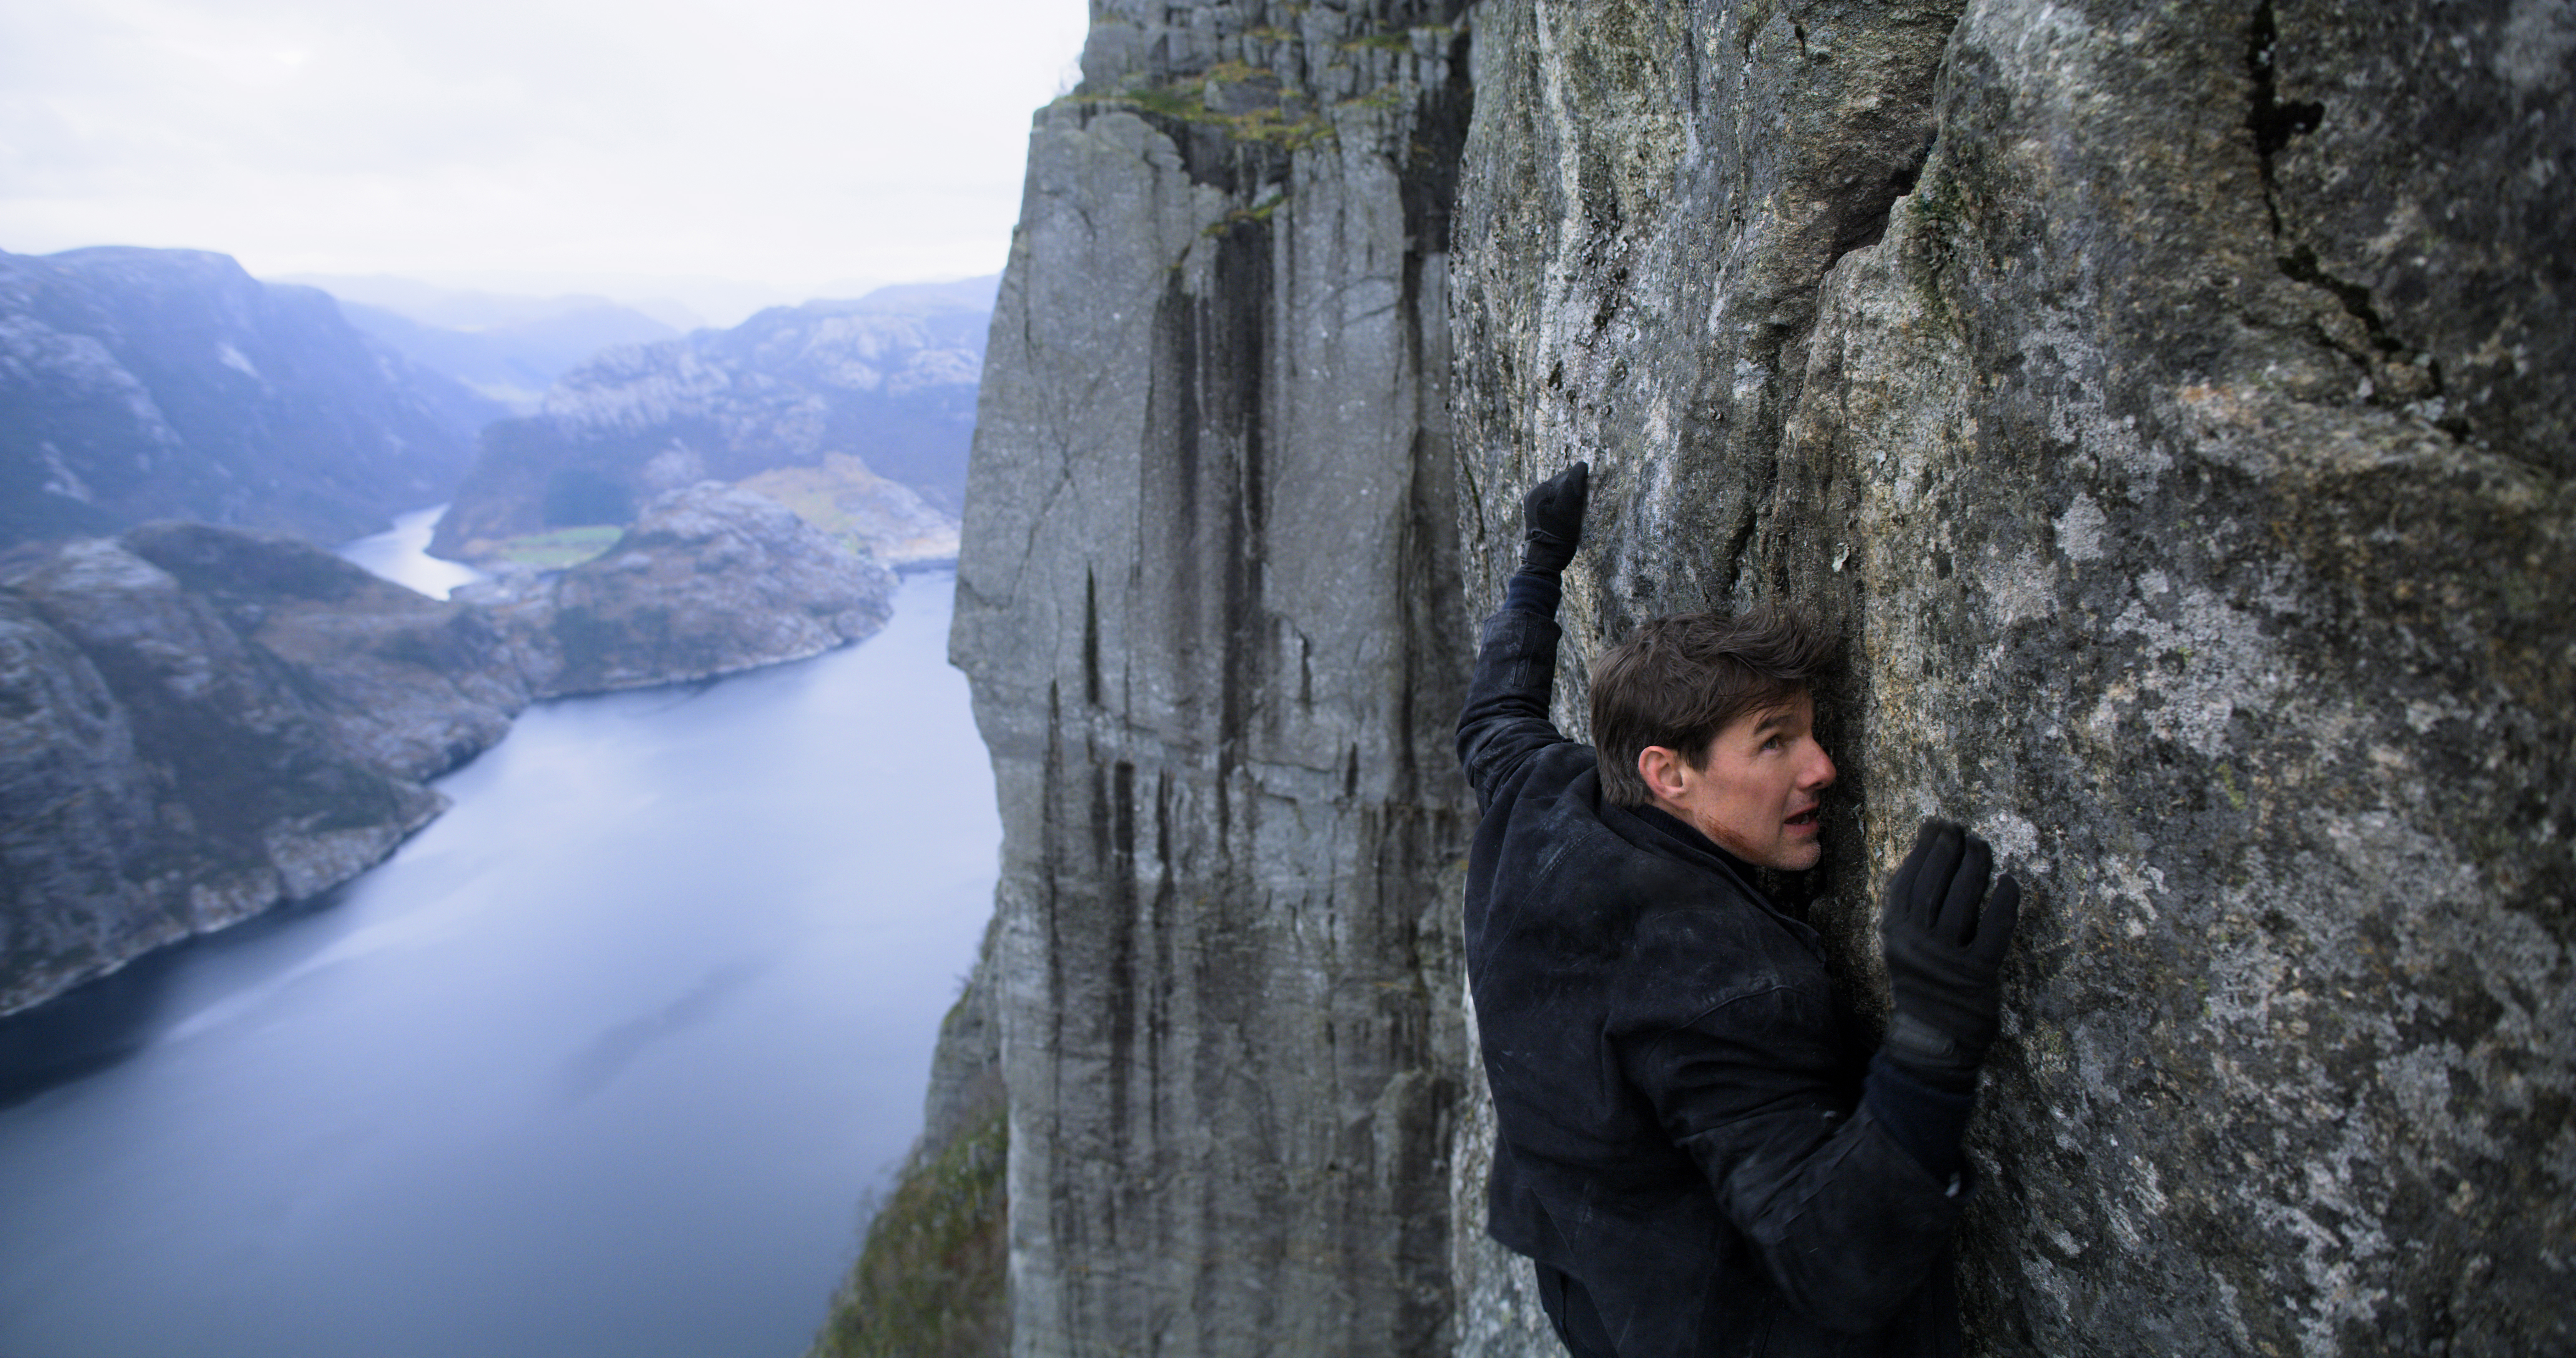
1656	1032
1684	1147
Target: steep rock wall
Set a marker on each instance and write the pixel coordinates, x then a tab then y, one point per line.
2170	403
1208	601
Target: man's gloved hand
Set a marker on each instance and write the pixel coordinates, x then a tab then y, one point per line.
1552	519
1943	953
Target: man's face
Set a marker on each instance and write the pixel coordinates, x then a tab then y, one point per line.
1761	789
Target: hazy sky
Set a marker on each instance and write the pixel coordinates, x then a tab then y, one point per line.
795	142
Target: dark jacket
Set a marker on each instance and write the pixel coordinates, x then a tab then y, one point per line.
1680	1128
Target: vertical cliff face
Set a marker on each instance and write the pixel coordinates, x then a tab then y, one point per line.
2171	404
1209	603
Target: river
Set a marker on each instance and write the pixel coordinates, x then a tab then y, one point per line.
604	1061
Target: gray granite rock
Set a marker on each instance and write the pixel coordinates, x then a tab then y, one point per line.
1208	603
2184	457
2169	402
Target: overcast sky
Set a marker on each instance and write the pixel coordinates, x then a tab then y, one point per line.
792	142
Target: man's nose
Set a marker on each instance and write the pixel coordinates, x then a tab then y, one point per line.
1820	771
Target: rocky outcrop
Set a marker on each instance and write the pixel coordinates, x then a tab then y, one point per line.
877	517
1208	603
888	379
166	769
709	580
2169	403
198	723
2179	437
140	384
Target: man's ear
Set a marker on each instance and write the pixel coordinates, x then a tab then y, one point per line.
1661	767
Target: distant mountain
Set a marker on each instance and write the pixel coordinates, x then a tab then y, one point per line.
512	361
889	380
472	309
139	384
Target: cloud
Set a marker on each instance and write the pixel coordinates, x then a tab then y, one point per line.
776	139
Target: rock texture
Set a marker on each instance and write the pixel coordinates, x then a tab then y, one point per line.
709	580
1209	606
889	379
140	384
2169	401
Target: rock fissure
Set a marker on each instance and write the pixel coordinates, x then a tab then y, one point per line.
1955	322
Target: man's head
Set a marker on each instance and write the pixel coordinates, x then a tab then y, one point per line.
1709	717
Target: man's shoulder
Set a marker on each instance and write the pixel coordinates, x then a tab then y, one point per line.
1570	844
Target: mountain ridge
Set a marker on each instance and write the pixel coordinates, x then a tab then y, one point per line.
139	384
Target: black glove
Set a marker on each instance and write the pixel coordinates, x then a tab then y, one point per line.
1552	519
1943	954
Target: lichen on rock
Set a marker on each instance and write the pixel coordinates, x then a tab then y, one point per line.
2132	453
2169	404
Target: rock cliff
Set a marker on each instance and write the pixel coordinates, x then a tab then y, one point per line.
2179	437
1208	601
2170	403
888	380
142	384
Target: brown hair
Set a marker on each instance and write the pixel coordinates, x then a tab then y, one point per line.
1678	680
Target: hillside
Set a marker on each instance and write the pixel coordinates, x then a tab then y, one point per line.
139	384
889	379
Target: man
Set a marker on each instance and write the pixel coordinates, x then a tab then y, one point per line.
1684	1147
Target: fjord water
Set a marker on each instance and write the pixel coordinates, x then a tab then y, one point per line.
604	1061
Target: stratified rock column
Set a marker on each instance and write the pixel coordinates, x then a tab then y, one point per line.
2172	402
1209	604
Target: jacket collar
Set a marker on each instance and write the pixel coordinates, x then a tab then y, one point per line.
1659	831
1686	837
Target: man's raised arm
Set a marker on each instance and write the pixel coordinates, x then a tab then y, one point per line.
1505	719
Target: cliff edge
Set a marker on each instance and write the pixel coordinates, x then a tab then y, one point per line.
1208	600
2170	402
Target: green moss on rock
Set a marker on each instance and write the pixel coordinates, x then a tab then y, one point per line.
931	1281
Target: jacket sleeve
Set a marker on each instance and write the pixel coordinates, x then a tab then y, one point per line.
1842	1219
1505	720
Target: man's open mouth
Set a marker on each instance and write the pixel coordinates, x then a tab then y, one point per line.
1808	816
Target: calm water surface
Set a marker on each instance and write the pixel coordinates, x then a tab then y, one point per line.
603	1062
